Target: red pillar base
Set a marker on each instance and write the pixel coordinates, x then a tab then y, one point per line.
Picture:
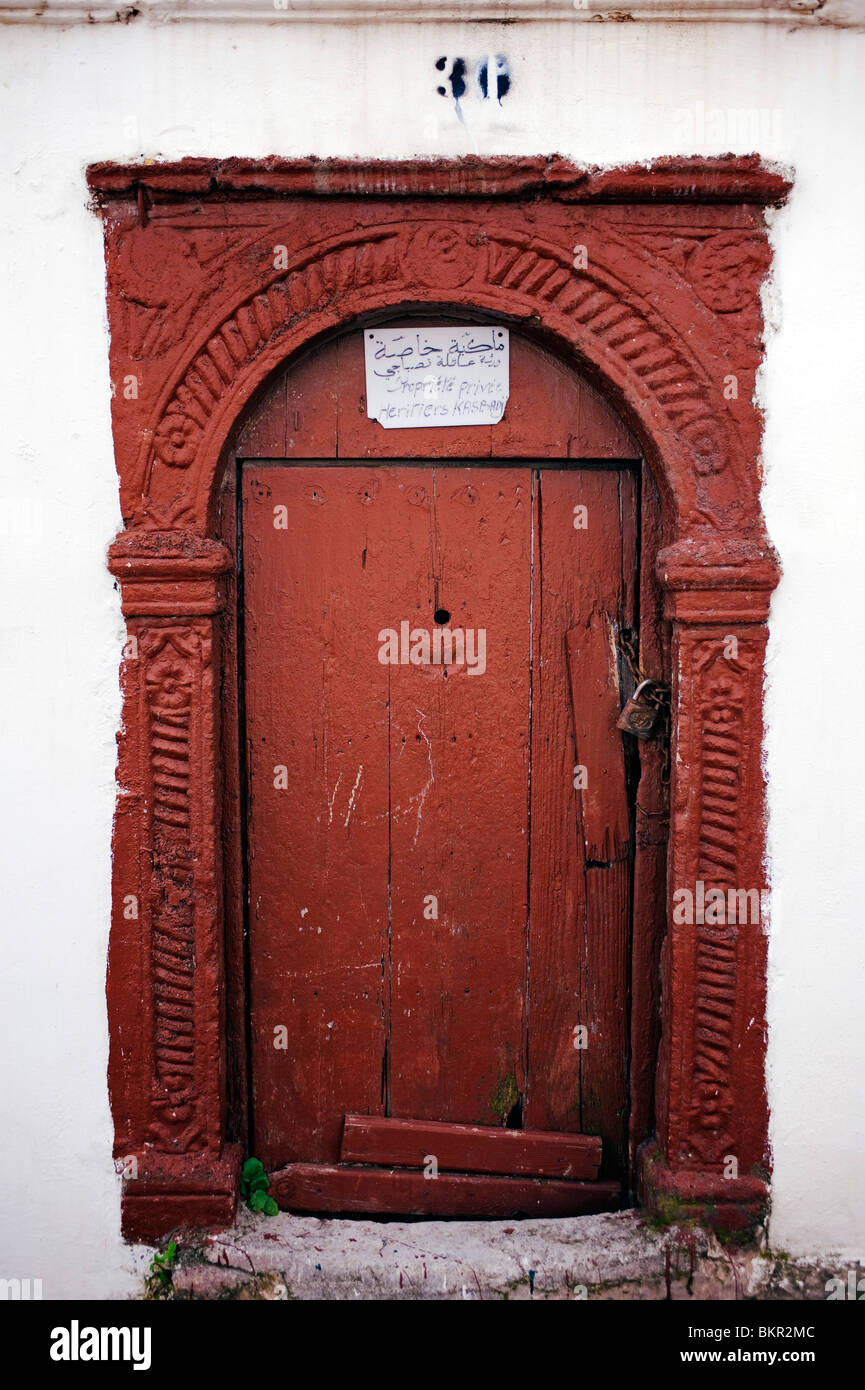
174	1190
674	1195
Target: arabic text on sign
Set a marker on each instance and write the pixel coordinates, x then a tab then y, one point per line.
437	376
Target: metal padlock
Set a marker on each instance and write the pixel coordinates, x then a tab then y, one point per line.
641	713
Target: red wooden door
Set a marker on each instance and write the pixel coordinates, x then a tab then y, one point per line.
439	850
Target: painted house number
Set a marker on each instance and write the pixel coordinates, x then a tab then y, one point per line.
486	78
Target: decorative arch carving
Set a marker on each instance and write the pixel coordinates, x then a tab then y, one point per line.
648	279
604	313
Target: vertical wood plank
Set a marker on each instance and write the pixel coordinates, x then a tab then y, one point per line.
318	846
459	788
605	1060
557	878
652	829
580	836
594	666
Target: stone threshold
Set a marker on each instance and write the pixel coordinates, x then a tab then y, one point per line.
617	1255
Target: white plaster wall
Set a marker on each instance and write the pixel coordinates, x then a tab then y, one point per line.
600	93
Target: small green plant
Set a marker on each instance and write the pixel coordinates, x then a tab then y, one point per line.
254	1183
161	1271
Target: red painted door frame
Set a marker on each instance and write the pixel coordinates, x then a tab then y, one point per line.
218	273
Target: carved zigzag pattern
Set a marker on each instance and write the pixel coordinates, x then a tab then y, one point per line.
715	982
304	287
626	333
169	681
173	941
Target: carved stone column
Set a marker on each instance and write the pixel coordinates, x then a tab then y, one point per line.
166	996
712	1150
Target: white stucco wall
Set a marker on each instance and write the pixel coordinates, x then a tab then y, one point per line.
601	93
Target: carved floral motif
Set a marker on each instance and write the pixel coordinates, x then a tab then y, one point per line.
176	440
443	255
161	284
725	269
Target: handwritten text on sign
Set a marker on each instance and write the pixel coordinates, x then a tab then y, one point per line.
436	376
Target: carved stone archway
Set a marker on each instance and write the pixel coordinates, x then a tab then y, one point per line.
649	280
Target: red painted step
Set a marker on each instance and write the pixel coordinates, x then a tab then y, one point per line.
321	1187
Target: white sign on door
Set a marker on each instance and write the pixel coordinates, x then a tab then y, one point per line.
417	377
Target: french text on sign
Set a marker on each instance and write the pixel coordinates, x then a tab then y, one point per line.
416	378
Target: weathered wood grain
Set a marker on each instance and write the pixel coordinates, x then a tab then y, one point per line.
316	408
469	1148
576	948
428	906
317	707
458	797
322	1187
